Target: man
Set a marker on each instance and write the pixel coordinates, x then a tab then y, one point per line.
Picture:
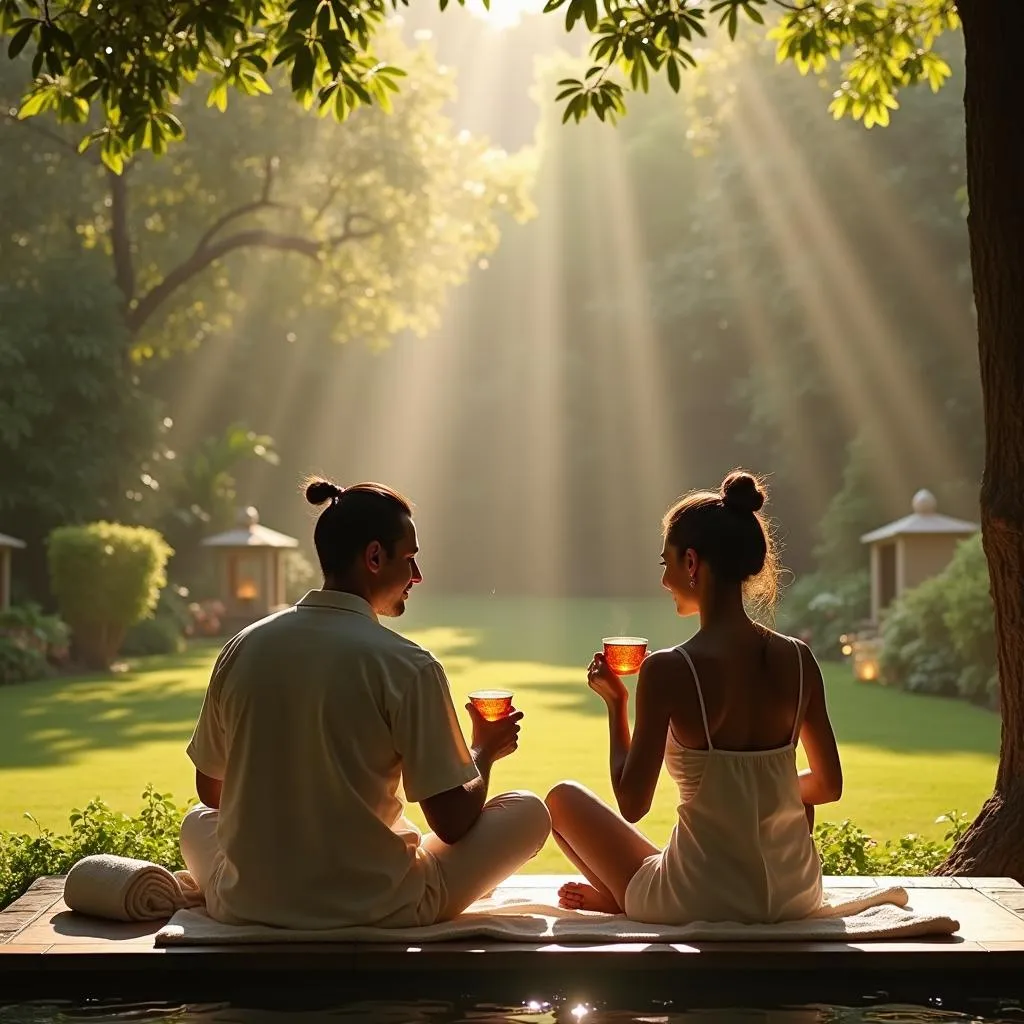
313	717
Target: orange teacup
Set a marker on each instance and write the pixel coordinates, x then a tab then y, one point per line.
492	704
625	654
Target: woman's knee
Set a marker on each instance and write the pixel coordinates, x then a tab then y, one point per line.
562	797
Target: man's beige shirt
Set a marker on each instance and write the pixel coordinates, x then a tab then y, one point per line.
312	719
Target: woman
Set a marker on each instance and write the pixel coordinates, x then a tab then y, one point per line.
724	710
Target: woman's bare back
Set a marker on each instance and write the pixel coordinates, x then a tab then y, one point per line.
750	683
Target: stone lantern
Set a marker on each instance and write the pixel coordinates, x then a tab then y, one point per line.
250	570
7	545
911	550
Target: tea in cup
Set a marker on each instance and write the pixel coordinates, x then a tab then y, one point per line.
492	704
625	654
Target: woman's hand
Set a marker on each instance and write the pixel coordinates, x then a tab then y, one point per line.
604	682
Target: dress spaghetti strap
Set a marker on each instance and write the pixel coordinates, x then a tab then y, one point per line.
800	692
700	695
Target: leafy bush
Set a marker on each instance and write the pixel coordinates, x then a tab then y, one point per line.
152	835
971	623
30	643
939	637
846	849
820	608
107	577
20	664
165	632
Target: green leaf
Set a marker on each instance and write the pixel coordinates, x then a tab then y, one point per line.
20	38
36	103
218	96
673	74
114	161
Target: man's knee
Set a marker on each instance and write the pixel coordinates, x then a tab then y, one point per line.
198	826
528	818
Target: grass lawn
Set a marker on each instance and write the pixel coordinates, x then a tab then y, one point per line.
907	758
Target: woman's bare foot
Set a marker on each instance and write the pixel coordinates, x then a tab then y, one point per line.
580	896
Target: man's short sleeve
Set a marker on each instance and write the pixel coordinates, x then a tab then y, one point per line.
208	747
427	736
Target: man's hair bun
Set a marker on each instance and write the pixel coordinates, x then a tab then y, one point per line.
319	491
742	492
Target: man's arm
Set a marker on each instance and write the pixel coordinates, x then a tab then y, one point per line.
454	812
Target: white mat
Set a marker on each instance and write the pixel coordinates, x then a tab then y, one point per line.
875	914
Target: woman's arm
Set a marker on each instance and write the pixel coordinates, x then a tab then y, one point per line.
822	781
636	762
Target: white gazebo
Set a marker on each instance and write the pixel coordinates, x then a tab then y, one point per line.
250	569
911	550
7	545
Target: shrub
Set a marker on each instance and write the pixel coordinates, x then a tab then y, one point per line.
165	632
939	637
30	643
106	577
20	664
846	849
970	620
152	835
27	625
820	608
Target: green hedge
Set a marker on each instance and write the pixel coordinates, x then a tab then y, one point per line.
31	644
939	637
106	577
152	835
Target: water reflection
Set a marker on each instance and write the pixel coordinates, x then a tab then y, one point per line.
564	1011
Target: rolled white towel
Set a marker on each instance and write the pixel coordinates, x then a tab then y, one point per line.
125	889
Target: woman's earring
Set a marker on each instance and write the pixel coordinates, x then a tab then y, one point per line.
693	582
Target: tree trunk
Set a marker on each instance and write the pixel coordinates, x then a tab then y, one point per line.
994	99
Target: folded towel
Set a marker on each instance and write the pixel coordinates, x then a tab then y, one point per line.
873	914
125	889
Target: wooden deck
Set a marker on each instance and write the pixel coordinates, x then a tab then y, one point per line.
48	952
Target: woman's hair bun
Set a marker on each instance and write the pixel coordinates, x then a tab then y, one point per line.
742	492
319	491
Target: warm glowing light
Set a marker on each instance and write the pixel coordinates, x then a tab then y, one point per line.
866	671
579	1012
504	13
847	649
247	591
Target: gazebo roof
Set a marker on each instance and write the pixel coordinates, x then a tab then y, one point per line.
925	519
10	542
250	534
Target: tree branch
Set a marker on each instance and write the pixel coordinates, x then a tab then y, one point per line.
323	207
350	233
32	125
258	238
120	235
263	202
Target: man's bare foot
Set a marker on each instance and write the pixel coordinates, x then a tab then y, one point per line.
580	896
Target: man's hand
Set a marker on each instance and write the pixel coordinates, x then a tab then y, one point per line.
494	740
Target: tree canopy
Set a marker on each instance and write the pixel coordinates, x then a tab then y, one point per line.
118	67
